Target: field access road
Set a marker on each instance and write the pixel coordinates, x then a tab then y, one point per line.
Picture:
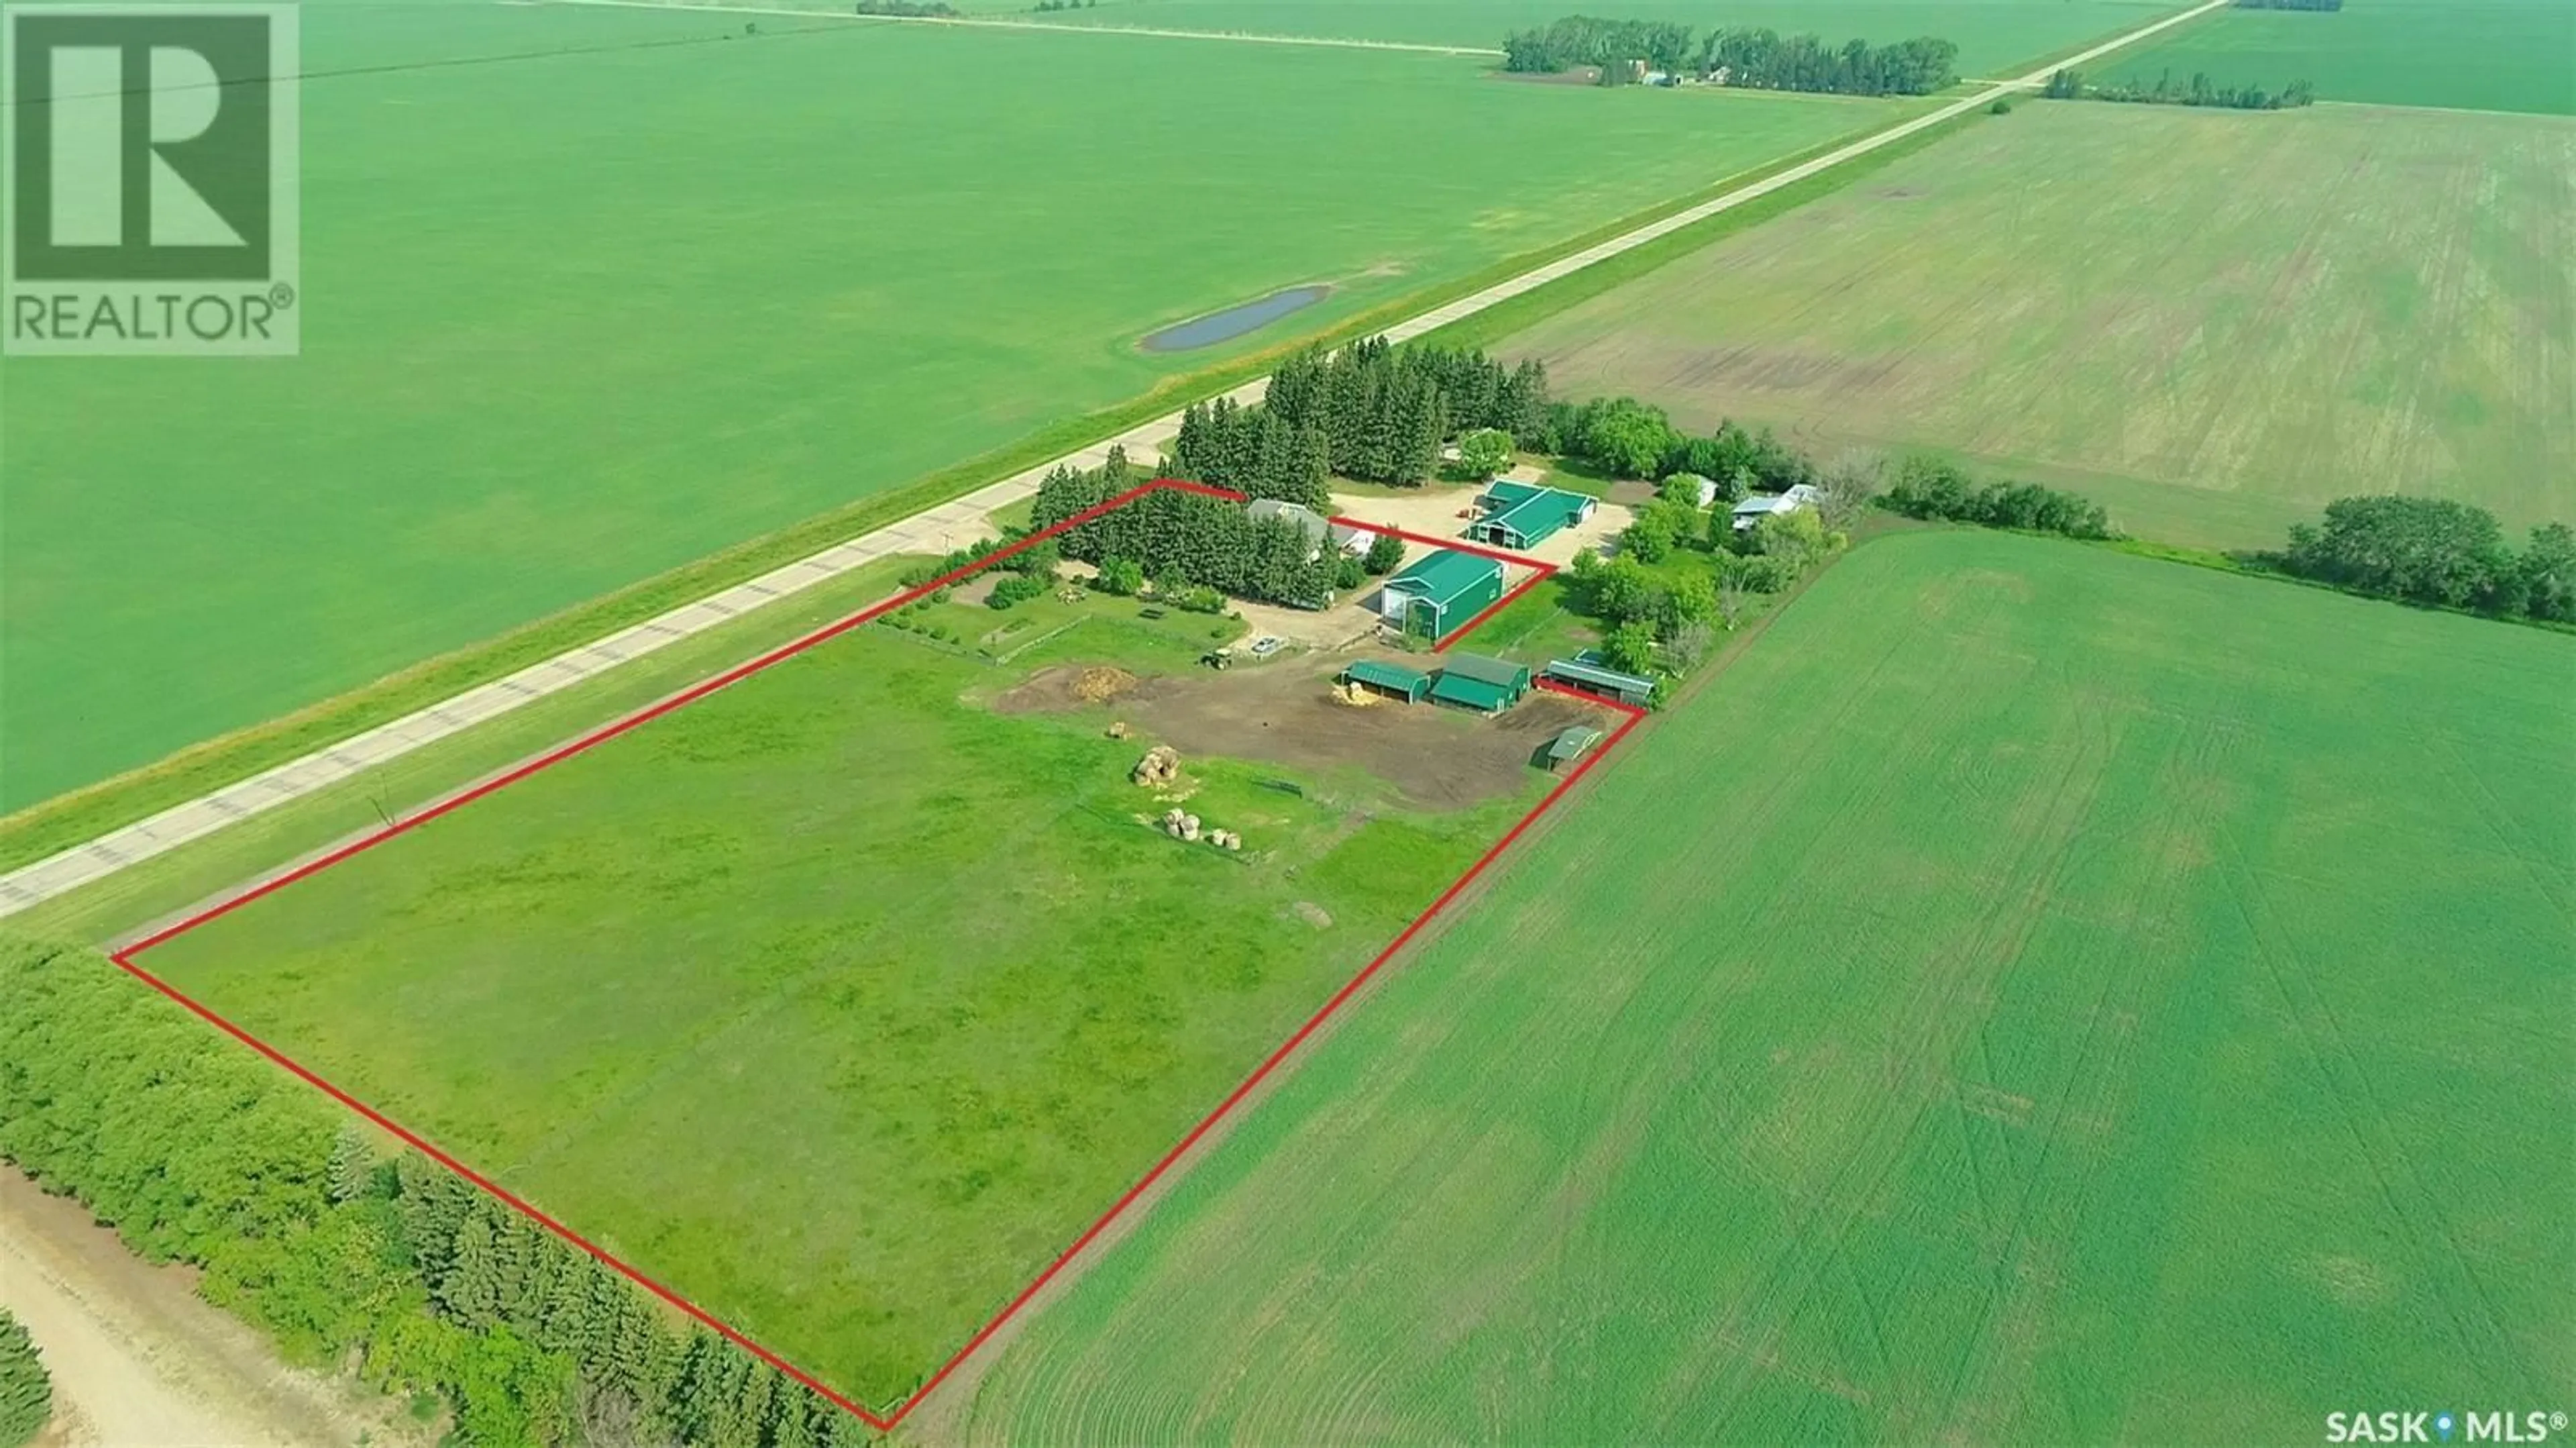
933	531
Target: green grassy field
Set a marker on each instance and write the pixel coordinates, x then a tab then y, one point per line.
2490	55
592	293
2035	995
1992	35
836	1005
2212	323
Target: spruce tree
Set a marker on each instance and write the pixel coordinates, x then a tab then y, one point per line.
468	1289
26	1393
353	1164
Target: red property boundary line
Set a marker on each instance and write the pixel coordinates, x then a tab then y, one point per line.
882	1422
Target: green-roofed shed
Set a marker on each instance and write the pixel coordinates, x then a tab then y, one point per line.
1392	680
1478	682
1440	591
1522	515
1591	678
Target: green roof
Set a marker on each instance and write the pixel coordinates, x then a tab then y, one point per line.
1443	575
1409	682
1474	693
1501	495
1484	669
1572	742
1598	677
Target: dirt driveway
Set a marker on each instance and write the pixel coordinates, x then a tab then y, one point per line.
138	1361
1435	511
1287	713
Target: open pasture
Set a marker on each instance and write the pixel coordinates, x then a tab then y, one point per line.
2035	995
1992	35
2484	55
842	999
591	293
2213	323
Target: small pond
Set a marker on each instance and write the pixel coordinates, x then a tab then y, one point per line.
1234	321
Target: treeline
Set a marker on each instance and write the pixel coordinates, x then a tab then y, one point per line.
26	1393
1590	40
1630	439
1932	489
2437	552
201	1153
1766	60
1369	411
1181	540
1748	56
2200	90
2289	4
908	9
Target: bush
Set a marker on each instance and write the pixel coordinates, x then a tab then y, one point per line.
1120	576
2001	107
1385	553
1016	588
1349	572
1933	489
26	1394
1630	648
1199	598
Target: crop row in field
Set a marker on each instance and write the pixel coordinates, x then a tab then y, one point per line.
2212	323
591	293
2488	55
1987	1012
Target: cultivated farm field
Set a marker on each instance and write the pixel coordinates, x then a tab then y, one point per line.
2212	323
2036	994
1993	36
2487	55
844	998
592	293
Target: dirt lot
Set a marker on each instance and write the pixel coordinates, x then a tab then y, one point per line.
1434	756
1435	512
138	1361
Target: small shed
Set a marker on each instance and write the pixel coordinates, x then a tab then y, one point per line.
1440	591
1476	681
1569	745
1317	528
1591	678
1393	680
1523	515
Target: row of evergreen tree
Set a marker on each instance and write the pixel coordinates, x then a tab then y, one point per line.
1766	60
1370	411
2200	90
1180	539
202	1154
26	1392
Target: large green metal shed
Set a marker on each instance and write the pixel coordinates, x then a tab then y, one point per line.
1440	591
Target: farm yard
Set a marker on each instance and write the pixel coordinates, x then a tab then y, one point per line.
844	998
534	371
1986	1012
2480	55
2210	323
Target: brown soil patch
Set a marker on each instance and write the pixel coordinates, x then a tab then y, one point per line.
1064	686
1434	756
